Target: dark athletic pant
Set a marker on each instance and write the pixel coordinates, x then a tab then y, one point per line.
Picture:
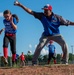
12	41
51	55
45	39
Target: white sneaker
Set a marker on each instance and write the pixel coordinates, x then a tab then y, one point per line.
66	63
5	60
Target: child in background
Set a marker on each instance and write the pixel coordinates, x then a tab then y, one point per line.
22	58
52	53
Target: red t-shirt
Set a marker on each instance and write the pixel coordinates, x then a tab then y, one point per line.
22	57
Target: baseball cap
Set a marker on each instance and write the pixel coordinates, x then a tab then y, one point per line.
51	41
47	7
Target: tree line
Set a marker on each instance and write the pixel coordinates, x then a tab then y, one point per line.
42	59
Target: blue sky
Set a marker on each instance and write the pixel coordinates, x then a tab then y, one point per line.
30	29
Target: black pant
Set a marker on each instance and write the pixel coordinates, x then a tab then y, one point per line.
12	40
51	55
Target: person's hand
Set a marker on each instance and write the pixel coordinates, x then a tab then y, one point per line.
0	32
17	3
11	19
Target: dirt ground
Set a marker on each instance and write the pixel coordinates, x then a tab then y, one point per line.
39	70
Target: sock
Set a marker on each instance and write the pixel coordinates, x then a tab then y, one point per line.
13	57
54	61
5	51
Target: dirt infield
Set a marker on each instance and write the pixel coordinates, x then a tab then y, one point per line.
39	70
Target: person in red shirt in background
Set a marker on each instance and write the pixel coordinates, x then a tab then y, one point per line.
22	58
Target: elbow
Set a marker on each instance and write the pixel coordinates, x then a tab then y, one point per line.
15	28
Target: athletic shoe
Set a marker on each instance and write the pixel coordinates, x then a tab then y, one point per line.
4	60
34	63
64	62
13	64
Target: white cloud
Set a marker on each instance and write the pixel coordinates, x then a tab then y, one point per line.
44	52
30	46
35	46
1	14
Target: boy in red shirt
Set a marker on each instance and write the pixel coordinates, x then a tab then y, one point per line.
22	58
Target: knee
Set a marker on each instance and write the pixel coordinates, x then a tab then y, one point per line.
64	45
4	45
40	45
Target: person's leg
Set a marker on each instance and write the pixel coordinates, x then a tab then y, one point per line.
60	40
53	56
23	63
5	49
5	46
49	58
54	61
42	43
13	48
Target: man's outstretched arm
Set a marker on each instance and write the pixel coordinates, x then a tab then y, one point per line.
25	8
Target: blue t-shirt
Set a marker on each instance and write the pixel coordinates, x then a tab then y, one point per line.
51	48
51	24
8	26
